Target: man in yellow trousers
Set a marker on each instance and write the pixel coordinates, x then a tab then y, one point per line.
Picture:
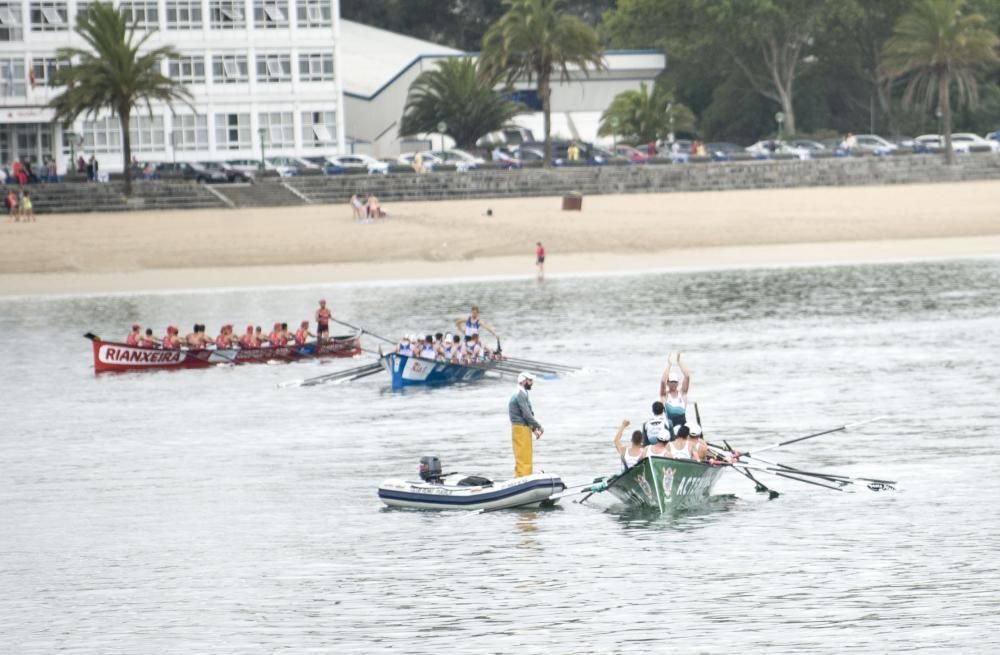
523	425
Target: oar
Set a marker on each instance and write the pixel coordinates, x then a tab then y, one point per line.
360	329
786	475
817	434
374	366
759	486
531	362
832	477
600	484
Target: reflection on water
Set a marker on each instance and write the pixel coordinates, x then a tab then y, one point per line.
209	511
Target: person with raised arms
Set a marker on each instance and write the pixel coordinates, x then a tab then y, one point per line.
323	318
635	451
473	323
524	426
674	388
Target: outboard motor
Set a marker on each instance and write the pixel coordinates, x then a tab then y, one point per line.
430	469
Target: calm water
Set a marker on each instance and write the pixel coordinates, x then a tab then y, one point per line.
210	512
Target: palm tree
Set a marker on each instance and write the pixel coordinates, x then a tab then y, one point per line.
940	50
455	94
534	40
644	117
112	74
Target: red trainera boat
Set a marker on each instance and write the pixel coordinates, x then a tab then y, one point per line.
110	356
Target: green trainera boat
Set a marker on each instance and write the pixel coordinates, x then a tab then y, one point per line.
665	484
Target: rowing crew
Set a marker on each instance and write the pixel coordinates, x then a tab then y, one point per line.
447	348
686	443
280	335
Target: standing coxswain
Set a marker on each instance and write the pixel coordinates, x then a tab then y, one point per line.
523	426
472	324
674	392
323	318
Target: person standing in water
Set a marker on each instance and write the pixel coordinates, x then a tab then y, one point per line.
524	426
540	260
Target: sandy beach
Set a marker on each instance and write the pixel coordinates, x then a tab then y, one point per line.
96	253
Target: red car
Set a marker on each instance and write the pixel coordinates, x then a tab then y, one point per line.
634	155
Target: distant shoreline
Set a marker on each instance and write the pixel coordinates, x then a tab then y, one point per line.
455	240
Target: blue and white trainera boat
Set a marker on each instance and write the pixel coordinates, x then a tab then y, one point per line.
533	490
409	371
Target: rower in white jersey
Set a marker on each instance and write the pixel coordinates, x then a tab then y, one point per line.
674	388
428	352
651	428
680	446
405	347
661	448
634	452
472	324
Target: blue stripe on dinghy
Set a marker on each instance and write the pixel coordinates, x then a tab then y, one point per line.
442	499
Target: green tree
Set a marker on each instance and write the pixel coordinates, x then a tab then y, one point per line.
113	74
534	40
939	49
643	116
455	93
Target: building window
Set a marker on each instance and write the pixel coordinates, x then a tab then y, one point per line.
227	15
274	68
190	132
103	135
43	68
48	16
189	70
318	129
232	131
280	128
146	133
270	14
184	15
230	69
316	66
314	13
10	22
13	78
145	14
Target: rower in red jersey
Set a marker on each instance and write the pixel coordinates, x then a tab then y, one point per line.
302	334
171	341
148	340
133	337
225	338
258	337
246	341
323	318
277	336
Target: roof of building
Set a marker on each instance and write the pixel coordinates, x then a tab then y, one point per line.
372	57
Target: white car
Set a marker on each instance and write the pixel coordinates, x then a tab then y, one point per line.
874	144
971	140
288	166
462	160
770	147
357	161
936	142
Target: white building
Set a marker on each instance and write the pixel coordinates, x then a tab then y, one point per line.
261	73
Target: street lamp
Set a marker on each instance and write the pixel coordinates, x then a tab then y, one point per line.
442	128
263	135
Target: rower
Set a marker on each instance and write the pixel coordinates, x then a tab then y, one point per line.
192	340
428	352
302	334
286	334
439	345
634	452
133	337
204	341
405	347
149	341
524	425
472	324
696	444
680	446
674	394
660	448
446	348
323	318
222	341
475	349
258	337
651	429
457	352
171	341
246	341
274	338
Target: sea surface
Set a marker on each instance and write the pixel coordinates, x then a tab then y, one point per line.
212	512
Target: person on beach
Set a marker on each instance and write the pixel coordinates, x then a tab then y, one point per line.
149	340
357	209
323	318
27	209
652	428
540	260
524	426
635	451
472	324
374	209
679	446
134	336
12	207
674	388
302	334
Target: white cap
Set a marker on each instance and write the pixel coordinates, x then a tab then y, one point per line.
674	377
694	428
525	376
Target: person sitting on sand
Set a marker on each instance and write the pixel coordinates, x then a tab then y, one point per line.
133	337
374	208
635	451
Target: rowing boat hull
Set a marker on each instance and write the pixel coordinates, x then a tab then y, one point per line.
111	357
528	491
666	484
409	371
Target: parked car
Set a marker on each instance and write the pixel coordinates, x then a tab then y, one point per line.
460	159
808	144
232	175
936	142
874	144
770	147
248	167
993	136
429	161
504	159
631	153
344	163
203	174
526	155
974	142
288	166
